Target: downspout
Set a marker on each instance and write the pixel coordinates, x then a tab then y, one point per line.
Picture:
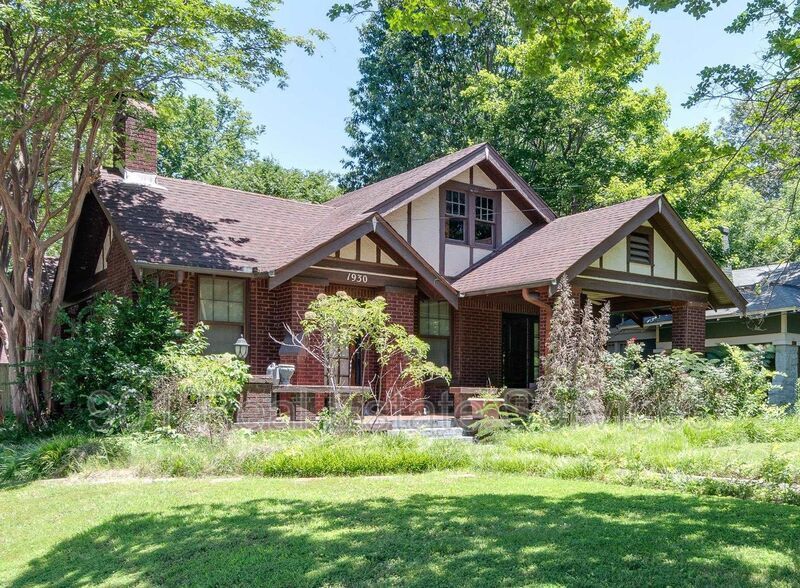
535	299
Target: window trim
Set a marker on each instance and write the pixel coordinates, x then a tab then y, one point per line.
650	234
245	324
472	192
465	217
448	338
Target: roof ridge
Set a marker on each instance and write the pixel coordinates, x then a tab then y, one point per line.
228	189
371	184
650	197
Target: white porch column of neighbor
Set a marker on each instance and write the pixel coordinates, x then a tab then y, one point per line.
784	383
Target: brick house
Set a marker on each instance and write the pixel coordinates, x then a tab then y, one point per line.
466	254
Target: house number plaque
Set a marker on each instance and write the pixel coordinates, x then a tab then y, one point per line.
357	278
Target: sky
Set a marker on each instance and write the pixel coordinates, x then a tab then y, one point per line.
305	122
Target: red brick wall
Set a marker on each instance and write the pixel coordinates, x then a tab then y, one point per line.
689	325
119	271
136	147
293	303
401	305
477	358
477	345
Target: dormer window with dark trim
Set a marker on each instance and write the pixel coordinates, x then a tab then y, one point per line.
640	246
455	216
471	218
484	221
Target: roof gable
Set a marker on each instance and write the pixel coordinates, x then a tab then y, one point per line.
568	245
392	193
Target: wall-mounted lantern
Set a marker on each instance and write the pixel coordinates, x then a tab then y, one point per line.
241	347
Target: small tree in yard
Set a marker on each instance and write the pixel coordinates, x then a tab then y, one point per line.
573	372
63	65
339	323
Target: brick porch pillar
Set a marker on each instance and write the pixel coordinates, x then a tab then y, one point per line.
689	325
301	293
401	305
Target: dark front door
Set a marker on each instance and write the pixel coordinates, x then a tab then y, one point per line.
520	350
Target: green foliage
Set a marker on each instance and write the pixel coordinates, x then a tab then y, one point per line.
213	141
104	367
56	457
354	456
198	394
681	384
267	176
339	322
408	105
202	139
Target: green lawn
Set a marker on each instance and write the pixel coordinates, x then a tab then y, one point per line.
443	528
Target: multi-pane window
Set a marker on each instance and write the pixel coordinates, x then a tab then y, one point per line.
535	352
455	209
470	218
434	329
222	309
484	220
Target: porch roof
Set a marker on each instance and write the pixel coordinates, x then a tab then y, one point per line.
569	244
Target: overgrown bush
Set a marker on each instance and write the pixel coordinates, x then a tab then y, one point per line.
198	394
118	351
103	369
684	384
573	377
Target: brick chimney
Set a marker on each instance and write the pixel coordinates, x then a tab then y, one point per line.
135	152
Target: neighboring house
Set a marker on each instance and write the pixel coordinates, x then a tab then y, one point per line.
466	254
772	319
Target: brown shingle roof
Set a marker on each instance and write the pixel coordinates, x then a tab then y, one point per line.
549	250
192	224
368	197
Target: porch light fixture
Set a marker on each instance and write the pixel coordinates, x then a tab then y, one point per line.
241	347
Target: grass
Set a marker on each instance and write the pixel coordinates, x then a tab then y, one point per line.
434	529
748	457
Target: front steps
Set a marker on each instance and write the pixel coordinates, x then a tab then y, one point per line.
431	427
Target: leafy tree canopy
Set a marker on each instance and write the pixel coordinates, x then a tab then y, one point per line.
63	67
213	141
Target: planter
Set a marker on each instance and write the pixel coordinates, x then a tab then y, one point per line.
486	407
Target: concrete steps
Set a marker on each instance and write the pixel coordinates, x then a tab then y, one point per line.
431	427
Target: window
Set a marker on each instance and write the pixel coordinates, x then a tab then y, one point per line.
222	309
484	221
470	218
455	209
640	247
434	329
348	366
102	261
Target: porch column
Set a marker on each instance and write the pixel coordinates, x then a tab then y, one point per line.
301	292
401	304
689	325
783	389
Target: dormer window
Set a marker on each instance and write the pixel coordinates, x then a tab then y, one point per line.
484	221
455	208
640	247
470	218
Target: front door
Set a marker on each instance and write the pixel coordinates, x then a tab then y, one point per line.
520	350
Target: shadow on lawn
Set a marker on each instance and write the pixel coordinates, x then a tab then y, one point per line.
427	540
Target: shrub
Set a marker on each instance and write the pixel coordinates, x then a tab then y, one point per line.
684	384
104	368
197	394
